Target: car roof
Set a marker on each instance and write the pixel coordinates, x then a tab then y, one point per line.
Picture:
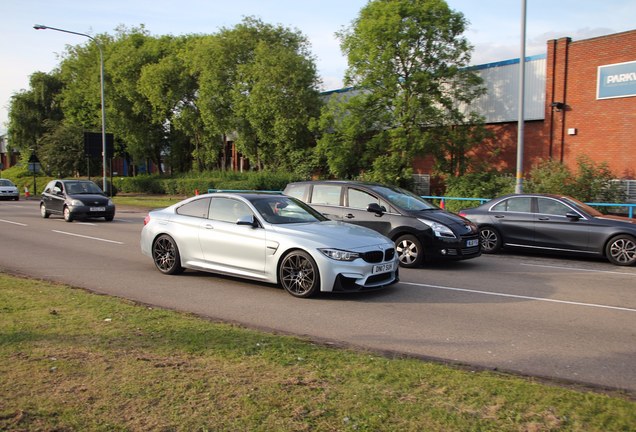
342	182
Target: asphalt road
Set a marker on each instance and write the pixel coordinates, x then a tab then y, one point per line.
563	319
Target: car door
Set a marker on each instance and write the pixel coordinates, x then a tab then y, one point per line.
554	230
56	198
355	210
514	219
225	243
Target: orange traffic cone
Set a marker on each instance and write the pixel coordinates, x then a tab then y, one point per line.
196	191
442	204
26	192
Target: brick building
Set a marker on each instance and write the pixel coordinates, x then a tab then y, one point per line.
580	99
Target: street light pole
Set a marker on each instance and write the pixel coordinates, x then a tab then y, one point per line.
101	81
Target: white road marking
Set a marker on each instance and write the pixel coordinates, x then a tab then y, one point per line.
11	222
520	297
579	269
86	223
87	237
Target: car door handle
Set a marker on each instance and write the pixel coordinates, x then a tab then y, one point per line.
544	218
499	216
208	226
349	216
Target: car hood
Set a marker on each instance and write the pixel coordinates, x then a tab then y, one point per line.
8	188
455	222
334	234
619	219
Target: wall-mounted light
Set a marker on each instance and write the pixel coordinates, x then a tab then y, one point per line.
558	106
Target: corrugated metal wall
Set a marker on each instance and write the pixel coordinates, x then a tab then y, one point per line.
501	79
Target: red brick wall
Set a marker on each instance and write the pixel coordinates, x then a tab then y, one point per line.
605	129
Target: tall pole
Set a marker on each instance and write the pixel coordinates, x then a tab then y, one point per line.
522	84
101	85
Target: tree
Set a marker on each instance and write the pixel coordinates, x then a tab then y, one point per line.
258	81
409	60
34	112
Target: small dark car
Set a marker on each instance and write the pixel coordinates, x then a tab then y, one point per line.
421	231
553	223
76	199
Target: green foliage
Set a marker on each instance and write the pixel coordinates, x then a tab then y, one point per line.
187	184
591	182
410	60
487	184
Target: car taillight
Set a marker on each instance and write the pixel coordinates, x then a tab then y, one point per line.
462	214
147	219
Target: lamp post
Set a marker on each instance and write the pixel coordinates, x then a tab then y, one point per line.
101	81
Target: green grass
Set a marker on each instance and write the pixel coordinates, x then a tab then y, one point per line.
72	360
147	201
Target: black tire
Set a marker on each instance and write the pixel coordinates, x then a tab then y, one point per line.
109	218
409	250
621	250
17	198
44	212
298	274
67	215
490	240
165	255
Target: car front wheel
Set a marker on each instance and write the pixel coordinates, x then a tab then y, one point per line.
44	212
67	215
165	254
298	274
409	250
490	240
621	250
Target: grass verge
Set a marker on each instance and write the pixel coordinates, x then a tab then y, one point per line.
72	360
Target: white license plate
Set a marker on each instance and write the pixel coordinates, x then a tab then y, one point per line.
382	268
471	243
97	209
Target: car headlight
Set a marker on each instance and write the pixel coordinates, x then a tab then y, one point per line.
439	229
110	202
340	255
75	202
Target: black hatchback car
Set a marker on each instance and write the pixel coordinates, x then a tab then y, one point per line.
421	231
76	199
553	223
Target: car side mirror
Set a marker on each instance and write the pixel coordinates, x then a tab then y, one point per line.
247	220
572	215
375	208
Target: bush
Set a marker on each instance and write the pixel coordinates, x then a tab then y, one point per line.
477	185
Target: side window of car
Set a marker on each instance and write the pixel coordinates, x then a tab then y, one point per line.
228	210
552	207
297	191
197	208
326	194
60	186
519	205
360	199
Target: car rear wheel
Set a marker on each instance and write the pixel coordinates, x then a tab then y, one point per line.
621	250
44	212
298	274
165	254
409	250
67	215
490	240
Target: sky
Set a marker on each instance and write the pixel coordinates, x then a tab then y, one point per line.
494	27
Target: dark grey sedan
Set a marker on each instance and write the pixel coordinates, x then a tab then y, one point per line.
553	223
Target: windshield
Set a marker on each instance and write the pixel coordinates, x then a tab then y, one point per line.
280	209
586	208
4	182
404	199
81	187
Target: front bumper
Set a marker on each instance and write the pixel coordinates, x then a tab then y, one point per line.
452	249
80	212
354	275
